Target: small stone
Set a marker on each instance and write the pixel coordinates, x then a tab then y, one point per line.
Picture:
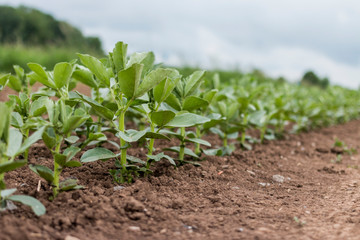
118	188
134	228
68	237
239	229
163	231
264	184
278	178
251	172
225	166
235	188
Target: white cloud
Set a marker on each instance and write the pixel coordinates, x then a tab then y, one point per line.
281	37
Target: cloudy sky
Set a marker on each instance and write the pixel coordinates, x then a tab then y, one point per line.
281	37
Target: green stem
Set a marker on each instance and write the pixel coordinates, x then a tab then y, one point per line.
26	153
57	171
225	141
2	183
122	141
151	146
197	145
182	146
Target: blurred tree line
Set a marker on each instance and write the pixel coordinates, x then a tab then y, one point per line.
30	27
310	78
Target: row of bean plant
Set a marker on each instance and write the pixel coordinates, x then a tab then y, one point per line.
160	104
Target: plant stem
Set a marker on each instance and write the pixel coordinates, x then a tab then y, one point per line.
197	145
122	141
151	145
225	140
26	153
57	171
182	146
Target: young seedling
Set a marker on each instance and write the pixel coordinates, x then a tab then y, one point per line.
11	145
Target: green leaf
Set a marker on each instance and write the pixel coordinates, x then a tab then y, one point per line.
97	154
5	118
70	152
191	103
37	207
60	159
198	140
36	136
86	77
69	184
165	87
73	122
72	164
161	118
155	136
4	79
16	120
160	156
44	172
209	96
187	151
98	108
146	58
173	102
7	192
62	74
187	120
38	107
15	83
131	135
40	75
15	141
96	67
72	139
151	80
119	56
193	82
49	138
129	80
11	165
135	159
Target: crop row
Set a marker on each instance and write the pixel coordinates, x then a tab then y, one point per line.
160	102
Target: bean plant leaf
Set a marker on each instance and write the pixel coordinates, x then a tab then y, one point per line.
119	56
62	74
97	154
86	77
145	58
187	120
155	135
36	136
129	80
15	140
37	207
49	138
98	108
161	118
69	184
173	102
11	165
60	159
151	80
193	82
160	156
15	83
192	102
38	107
7	192
165	87
40	75
72	139
72	164
132	135
187	151
199	141
96	67
44	172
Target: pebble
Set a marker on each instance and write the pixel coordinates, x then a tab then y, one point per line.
68	237
118	188
278	178
235	188
264	184
251	172
225	166
239	229
163	231
134	228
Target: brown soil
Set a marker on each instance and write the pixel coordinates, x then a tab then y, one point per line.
232	197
